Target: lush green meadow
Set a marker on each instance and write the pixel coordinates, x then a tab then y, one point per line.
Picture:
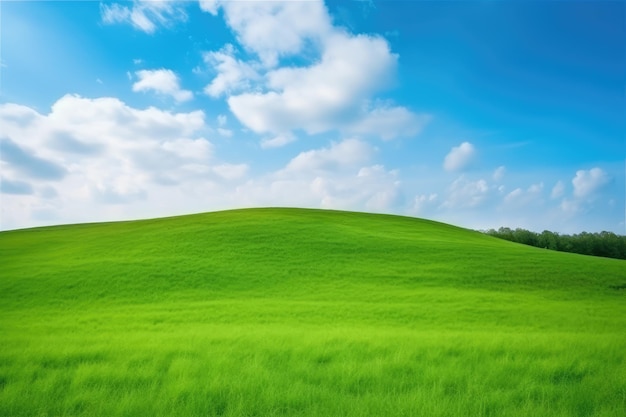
289	312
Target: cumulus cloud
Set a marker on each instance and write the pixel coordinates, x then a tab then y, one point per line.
334	92
99	151
587	183
460	157
345	154
161	81
272	29
338	176
368	188
144	15
151	162
320	97
233	75
331	93
465	193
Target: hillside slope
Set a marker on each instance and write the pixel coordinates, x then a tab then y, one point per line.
304	312
291	251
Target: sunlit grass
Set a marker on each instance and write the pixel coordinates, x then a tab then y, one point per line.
310	313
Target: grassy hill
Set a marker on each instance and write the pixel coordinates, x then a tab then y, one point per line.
281	312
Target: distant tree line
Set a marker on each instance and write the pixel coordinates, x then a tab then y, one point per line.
605	244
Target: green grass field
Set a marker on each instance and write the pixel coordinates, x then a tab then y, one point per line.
291	312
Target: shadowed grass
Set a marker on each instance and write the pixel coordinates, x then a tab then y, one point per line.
271	312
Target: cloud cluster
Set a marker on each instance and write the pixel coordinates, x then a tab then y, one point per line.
289	71
101	150
587	187
335	91
339	176
132	162
332	89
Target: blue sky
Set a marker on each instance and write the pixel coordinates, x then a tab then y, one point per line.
477	113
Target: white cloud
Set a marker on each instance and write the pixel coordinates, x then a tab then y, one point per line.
520	197
114	13
123	163
498	174
222	120
233	75
345	154
210	6
465	193
99	153
324	96
389	122
162	81
369	188
339	176
144	15
570	206
460	157
535	188
587	183
382	185
513	195
227	133
278	141
272	29
334	92
558	190
189	148
424	203
231	171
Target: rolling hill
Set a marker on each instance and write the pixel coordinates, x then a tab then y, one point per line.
267	312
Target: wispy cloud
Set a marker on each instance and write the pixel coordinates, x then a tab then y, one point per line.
144	15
